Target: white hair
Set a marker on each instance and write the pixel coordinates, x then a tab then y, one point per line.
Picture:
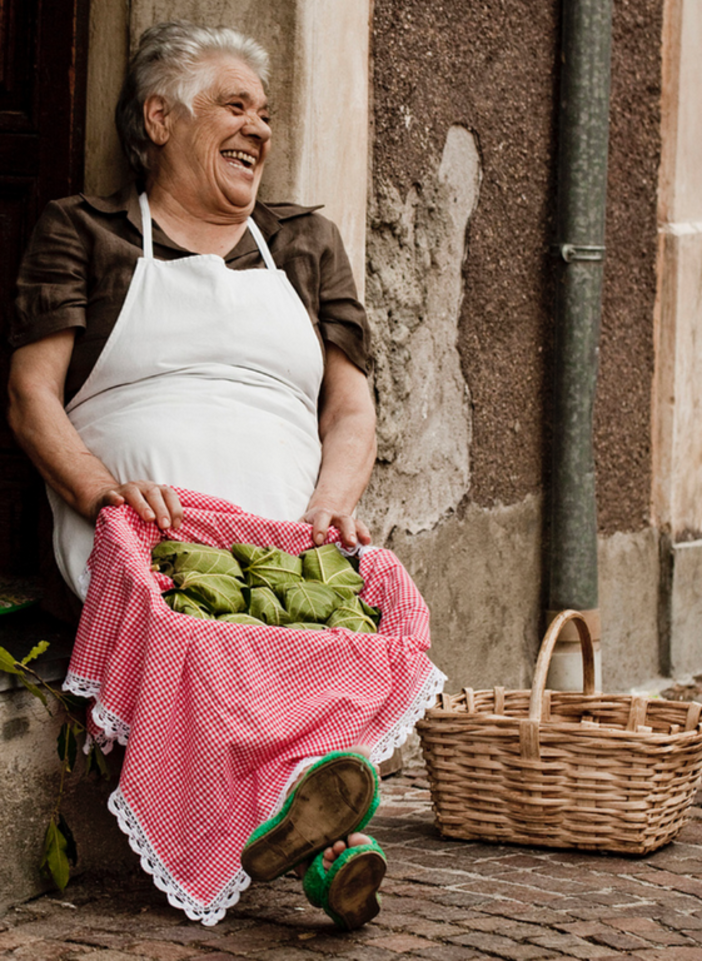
173	61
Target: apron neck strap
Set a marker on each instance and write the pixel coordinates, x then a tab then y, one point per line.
261	244
148	244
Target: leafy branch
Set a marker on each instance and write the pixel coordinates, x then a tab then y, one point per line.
59	850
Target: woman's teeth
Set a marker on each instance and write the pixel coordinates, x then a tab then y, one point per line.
245	158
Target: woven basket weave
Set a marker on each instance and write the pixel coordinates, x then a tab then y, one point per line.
589	771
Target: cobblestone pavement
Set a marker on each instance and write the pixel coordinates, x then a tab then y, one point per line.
443	900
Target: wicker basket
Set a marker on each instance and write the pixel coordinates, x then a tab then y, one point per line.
570	770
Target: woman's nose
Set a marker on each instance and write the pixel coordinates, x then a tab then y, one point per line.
256	126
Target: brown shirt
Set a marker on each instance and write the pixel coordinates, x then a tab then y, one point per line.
83	252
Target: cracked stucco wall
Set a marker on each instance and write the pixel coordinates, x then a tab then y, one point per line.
415	254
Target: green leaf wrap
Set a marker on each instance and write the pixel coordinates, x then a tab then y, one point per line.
218	592
311	601
239	619
181	603
208	560
274	569
265	605
328	564
248	553
351	615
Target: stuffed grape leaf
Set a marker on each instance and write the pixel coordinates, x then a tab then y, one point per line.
351	615
220	593
208	560
274	569
179	602
328	564
311	601
239	619
264	605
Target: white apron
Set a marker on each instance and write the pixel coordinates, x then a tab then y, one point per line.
209	381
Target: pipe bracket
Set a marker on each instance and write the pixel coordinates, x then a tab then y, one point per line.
570	252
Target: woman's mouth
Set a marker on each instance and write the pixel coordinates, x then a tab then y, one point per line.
240	157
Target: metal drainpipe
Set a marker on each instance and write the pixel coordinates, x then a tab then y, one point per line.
582	189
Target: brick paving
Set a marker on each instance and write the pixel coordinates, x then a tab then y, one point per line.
442	900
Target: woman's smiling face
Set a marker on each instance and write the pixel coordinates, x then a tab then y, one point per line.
213	158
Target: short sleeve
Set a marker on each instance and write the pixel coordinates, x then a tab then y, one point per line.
52	282
342	318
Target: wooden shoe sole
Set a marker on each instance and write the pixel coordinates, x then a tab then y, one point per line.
334	798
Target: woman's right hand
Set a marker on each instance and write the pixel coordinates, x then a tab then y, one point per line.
152	502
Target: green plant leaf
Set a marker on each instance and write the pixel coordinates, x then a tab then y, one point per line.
311	601
35	651
328	564
306	626
67	746
96	761
101	761
71	849
8	664
265	605
36	691
73	702
219	593
55	859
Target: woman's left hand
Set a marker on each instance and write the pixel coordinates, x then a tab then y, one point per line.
352	531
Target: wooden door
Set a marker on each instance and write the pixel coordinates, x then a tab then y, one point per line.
43	66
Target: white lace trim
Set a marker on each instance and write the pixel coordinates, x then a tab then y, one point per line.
112	728
207	914
425	697
82	686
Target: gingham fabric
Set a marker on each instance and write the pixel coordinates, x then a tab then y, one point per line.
218	718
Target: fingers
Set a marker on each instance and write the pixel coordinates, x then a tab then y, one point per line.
362	532
352	531
152	502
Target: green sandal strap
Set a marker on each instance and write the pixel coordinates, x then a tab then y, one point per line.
317	883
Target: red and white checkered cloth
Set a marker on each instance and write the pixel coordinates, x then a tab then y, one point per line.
218	718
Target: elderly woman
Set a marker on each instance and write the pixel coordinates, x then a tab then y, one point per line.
183	334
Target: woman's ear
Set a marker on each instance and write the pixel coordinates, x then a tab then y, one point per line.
157	119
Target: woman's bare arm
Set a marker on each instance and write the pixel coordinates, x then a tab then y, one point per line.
347	432
41	426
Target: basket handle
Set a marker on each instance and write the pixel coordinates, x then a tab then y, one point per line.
542	664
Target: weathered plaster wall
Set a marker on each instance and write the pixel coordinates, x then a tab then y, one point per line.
490	70
493	69
415	254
